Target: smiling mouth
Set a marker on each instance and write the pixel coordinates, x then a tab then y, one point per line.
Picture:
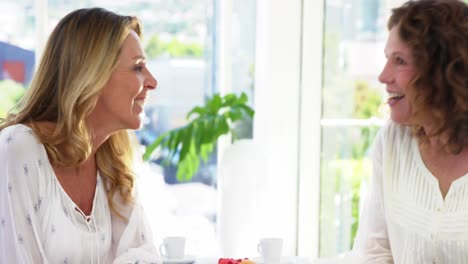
140	103
394	98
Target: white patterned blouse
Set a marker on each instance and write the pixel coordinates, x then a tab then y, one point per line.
39	223
406	220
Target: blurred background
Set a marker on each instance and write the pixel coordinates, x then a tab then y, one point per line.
309	69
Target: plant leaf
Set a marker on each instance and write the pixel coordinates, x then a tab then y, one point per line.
176	139
207	132
149	150
243	98
195	142
223	126
205	151
215	104
235	113
187	139
229	100
198	135
196	110
250	112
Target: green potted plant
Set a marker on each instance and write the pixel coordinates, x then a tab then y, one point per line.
189	144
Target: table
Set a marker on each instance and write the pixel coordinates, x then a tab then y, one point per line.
284	260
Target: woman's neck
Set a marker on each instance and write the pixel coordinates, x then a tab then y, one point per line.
438	144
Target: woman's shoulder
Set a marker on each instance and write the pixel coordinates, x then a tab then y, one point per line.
15	130
18	138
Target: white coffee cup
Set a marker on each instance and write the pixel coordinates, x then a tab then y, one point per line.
173	247
270	249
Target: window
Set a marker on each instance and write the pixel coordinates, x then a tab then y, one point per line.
17	51
353	110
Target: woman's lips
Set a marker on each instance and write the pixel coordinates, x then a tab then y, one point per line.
394	98
140	103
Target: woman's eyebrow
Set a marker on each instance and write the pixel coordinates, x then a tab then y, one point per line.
139	57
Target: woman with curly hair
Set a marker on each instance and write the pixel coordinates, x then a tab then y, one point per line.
67	190
417	209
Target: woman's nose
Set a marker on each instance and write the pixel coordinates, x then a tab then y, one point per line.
385	75
151	82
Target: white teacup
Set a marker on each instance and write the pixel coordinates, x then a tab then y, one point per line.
270	250
173	247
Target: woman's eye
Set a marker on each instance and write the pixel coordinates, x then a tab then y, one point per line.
399	61
139	68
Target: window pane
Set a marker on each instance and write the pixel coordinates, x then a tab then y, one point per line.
17	38
353	54
243	57
354	40
345	164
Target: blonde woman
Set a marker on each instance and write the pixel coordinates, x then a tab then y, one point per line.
66	182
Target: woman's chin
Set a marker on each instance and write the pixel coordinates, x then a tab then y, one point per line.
401	119
134	124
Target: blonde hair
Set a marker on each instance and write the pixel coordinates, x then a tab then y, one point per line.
78	60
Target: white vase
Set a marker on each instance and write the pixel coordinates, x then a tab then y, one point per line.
238	185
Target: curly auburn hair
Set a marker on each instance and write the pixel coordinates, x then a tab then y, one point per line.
437	33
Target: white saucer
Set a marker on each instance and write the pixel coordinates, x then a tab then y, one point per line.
186	260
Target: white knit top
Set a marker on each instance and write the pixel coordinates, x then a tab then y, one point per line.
405	219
